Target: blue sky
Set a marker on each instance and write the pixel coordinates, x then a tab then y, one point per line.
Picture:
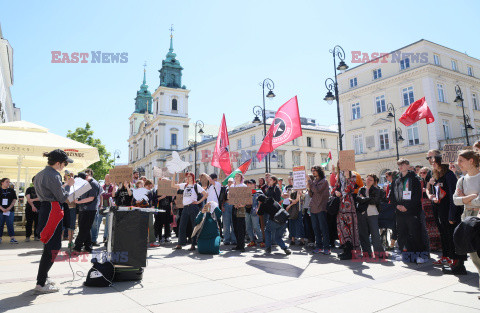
226	48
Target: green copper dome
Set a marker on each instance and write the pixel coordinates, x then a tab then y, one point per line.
171	71
143	98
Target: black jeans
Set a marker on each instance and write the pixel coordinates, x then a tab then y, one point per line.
162	220
84	237
409	228
51	248
32	221
239	229
189	213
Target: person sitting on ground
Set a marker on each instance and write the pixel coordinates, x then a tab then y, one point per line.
208	241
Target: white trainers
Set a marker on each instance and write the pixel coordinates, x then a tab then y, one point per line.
420	260
50	282
27	239
45	289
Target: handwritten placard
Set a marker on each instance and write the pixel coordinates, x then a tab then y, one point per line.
240	196
450	152
299	178
122	173
346	159
179	201
165	188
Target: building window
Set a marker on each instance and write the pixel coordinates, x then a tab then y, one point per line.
323	143
446	129
310	160
358	143
404	64
380	104
441	94
296	158
254	163
475	102
173	139
295	142
239	144
252	140
436	59
408	97
144	148
353	82
412	133
355	111
309	141
469	71
174	105
454	65
281	159
384	141
377	74
156	141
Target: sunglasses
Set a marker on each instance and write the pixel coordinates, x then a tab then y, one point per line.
430	157
423	173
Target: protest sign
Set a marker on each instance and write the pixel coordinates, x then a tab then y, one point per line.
240	196
122	173
165	188
299	178
80	187
450	152
179	201
346	159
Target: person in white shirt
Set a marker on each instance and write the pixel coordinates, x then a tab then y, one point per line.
214	188
193	195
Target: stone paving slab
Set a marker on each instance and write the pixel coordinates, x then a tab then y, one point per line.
181	281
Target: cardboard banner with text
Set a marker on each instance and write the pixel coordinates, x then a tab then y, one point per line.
121	173
346	159
450	152
299	178
165	188
179	201
240	196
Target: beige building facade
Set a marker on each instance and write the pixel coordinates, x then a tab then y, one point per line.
310	149
422	69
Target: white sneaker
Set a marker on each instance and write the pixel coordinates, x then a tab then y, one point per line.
399	257
45	289
50	282
27	239
420	260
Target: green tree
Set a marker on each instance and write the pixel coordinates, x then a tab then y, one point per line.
85	135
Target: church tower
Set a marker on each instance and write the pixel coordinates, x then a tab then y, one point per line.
159	124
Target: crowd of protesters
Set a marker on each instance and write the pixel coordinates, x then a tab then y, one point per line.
422	206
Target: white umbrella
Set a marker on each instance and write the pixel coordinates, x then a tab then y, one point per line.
22	145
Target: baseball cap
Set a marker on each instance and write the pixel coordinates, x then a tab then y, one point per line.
58	155
231	179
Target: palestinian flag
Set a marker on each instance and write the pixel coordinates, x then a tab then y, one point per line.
241	169
329	158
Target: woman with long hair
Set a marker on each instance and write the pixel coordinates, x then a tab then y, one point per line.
449	215
431	217
468	189
347	225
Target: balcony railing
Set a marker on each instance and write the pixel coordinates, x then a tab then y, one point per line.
471	138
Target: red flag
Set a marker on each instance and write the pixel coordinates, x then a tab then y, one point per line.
221	156
417	111
285	127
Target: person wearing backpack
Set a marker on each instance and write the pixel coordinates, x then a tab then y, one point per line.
193	196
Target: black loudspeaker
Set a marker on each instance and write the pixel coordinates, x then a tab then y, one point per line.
128	273
130	238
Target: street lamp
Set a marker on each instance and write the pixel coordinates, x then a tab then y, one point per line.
332	85
192	144
466	119
116	155
257	110
398	132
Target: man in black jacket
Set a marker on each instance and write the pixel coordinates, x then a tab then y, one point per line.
273	230
406	196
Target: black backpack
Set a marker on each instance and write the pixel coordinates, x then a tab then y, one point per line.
100	275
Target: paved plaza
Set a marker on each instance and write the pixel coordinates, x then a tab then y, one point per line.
181	281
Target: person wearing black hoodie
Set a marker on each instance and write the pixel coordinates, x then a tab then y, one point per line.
406	196
273	230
